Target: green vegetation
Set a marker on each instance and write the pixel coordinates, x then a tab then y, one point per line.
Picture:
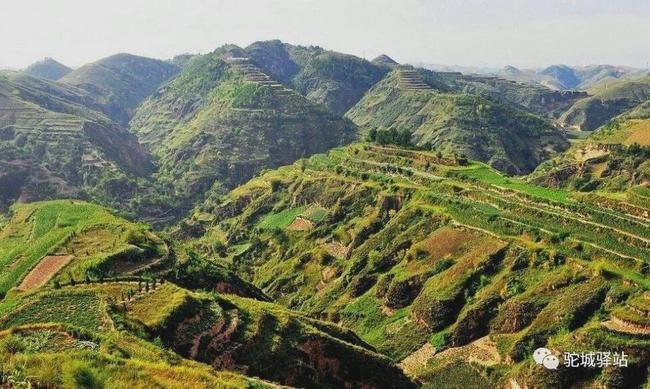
499	134
48	68
99	243
605	102
120	82
417	247
54	143
239	122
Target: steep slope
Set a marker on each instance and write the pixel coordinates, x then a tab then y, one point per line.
326	77
226	333
120	82
48	68
507	138
222	120
606	102
455	270
53	145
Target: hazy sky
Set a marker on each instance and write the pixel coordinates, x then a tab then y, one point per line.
523	33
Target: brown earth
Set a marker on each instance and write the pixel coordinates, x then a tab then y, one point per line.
44	271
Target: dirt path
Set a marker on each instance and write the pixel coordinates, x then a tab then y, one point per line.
44	271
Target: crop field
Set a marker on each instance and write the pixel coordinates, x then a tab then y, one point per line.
85	234
78	308
429	251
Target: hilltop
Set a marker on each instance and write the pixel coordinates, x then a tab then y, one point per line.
223	120
120	82
48	68
53	144
451	269
434	115
334	79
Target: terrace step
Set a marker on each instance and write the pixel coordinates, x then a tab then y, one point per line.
410	79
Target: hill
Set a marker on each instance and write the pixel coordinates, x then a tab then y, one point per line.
223	120
120	82
93	289
452	269
326	77
53	144
537	99
48	68
605	102
66	239
504	136
612	158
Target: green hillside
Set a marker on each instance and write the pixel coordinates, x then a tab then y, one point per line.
605	102
326	77
73	240
48	68
534	98
508	138
120	82
53	144
438	264
221	121
614	158
94	290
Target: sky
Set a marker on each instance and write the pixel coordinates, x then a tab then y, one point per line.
494	33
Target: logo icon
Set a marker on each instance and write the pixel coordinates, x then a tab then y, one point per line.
543	356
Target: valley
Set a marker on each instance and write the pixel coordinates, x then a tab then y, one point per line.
278	215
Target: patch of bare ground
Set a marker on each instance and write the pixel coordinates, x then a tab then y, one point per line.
44	271
300	224
336	249
483	351
411	364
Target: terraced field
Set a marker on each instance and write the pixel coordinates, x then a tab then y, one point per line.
432	251
92	241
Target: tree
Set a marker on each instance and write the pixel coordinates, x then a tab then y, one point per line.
372	135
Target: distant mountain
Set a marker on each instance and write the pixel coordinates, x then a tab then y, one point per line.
508	138
53	144
563	77
531	97
120	82
223	120
48	68
182	59
605	102
334	79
